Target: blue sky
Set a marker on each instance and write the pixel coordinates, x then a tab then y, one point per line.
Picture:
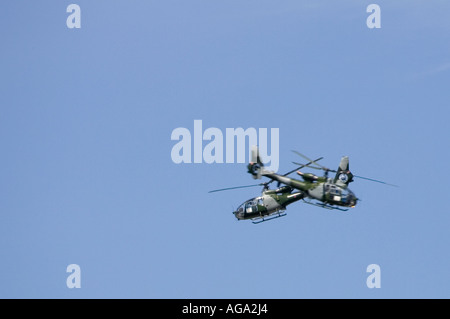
87	178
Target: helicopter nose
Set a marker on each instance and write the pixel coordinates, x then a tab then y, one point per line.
237	214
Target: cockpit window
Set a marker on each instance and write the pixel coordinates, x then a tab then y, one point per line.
335	191
347	196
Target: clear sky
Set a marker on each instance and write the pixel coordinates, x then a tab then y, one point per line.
87	178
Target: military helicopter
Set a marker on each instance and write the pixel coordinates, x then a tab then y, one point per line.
321	191
330	193
270	205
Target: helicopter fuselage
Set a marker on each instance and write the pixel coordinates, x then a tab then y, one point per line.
322	189
269	203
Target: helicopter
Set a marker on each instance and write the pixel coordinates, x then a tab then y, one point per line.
270	205
322	191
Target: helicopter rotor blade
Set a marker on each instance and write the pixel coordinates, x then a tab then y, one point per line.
236	187
326	169
314	162
300	167
374	180
303	165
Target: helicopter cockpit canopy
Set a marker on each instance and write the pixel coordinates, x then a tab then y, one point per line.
249	206
343	195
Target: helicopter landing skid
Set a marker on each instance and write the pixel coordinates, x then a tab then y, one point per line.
259	220
326	206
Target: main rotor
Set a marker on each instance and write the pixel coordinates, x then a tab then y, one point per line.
326	169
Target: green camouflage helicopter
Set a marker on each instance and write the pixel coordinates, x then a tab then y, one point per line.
322	191
271	204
